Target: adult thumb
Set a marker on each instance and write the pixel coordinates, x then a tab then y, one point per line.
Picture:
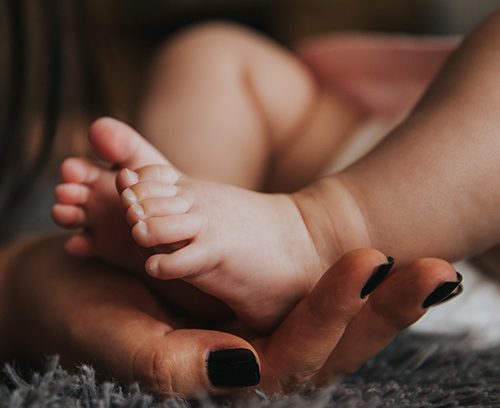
188	362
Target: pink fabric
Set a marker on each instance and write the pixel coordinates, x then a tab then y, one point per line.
384	74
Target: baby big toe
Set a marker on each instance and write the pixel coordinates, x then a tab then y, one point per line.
185	263
69	216
118	143
166	230
81	171
80	245
161	173
71	193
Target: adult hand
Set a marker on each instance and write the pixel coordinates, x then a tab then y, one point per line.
88	312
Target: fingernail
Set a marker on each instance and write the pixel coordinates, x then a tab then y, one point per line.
377	277
142	227
233	368
132	176
129	196
137	210
444	292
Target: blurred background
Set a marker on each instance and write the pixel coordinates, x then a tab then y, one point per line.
66	62
95	54
132	29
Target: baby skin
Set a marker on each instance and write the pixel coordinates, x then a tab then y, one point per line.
270	249
206	233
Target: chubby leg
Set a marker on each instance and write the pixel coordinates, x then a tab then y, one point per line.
433	183
227	105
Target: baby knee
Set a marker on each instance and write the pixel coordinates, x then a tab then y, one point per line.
215	36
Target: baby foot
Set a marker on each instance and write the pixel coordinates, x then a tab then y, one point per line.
87	198
269	250
251	250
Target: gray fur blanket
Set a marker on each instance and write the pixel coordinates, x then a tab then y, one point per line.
415	371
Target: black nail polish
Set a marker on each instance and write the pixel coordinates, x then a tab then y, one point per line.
233	368
378	276
444	292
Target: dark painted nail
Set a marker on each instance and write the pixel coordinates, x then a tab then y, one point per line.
444	292
233	368
377	277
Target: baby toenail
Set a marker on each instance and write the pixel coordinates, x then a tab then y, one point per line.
138	210
172	176
152	268
129	196
171	190
142	227
132	176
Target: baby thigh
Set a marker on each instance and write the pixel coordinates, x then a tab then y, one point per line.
230	105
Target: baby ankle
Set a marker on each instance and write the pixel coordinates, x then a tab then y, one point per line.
334	218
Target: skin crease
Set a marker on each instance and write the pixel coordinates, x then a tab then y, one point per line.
87	306
460	216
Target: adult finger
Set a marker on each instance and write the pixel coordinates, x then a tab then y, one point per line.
89	313
396	304
163	359
303	342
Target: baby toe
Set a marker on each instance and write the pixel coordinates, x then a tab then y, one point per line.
126	178
80	245
166	230
145	190
161	173
81	171
186	263
135	213
69	216
72	194
157	207
119	144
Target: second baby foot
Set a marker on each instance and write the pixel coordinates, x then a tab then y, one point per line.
249	249
87	200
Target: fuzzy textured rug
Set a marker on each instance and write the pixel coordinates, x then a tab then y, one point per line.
415	371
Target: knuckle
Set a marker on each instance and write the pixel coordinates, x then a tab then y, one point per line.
150	367
297	380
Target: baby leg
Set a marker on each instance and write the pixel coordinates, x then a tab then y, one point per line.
226	104
432	186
